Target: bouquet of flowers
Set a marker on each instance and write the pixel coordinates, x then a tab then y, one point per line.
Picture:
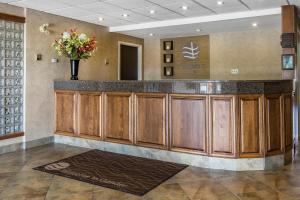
74	45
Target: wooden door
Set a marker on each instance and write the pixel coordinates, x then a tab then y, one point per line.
118	117
65	104
128	62
222	125
273	124
89	114
250	125
151	120
188	123
287	121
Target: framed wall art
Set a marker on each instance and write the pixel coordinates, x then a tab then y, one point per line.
288	61
168	45
168	58
168	71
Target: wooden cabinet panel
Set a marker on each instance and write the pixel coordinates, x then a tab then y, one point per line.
250	124
151	120
188	123
222	125
287	121
89	114
118	117
65	111
273	124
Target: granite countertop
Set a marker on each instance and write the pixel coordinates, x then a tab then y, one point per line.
180	86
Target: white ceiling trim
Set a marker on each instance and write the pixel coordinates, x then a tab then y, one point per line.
197	20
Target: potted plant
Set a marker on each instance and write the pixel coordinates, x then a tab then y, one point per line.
76	47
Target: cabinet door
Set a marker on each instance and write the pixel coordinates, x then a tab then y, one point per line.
273	124
89	114
118	117
151	120
188	123
65	111
287	120
250	125
222	126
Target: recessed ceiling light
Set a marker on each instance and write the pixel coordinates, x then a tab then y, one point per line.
254	24
184	7
220	3
100	19
152	11
198	29
151	34
125	15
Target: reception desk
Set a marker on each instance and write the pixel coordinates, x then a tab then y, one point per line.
235	125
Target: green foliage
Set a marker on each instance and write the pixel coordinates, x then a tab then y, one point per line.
75	46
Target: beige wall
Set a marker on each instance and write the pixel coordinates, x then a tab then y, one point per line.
40	74
152	62
12	10
39	114
257	54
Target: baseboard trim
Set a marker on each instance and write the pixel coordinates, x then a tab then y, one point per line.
39	142
20	146
11	148
242	164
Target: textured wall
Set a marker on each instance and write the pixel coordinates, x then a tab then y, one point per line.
152	63
186	68
40	74
257	54
39	105
12	10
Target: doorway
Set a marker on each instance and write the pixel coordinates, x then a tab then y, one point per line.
130	61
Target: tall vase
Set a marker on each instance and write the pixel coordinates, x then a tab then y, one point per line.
74	69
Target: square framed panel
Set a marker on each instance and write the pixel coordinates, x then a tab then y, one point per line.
168	71
288	61
168	58
168	45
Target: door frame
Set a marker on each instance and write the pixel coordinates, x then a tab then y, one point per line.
140	58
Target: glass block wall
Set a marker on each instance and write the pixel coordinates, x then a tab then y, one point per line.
11	76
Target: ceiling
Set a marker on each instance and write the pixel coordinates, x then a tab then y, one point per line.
207	27
138	12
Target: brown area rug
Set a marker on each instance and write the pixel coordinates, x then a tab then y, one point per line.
129	174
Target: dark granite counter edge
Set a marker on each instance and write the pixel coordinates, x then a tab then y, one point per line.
180	86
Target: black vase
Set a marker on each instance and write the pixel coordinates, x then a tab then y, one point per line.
74	69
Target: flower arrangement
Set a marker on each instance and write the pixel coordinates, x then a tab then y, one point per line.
74	45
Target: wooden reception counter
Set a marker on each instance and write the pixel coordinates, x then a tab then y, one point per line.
229	119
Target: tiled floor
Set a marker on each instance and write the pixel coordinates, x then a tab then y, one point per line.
18	181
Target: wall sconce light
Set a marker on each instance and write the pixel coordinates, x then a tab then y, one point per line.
44	29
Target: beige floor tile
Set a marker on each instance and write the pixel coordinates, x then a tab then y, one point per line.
18	181
64	188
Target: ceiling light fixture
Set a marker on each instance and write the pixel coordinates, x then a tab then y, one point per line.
198	29
100	19
152	11
125	15
254	24
184	7
220	3
151	34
